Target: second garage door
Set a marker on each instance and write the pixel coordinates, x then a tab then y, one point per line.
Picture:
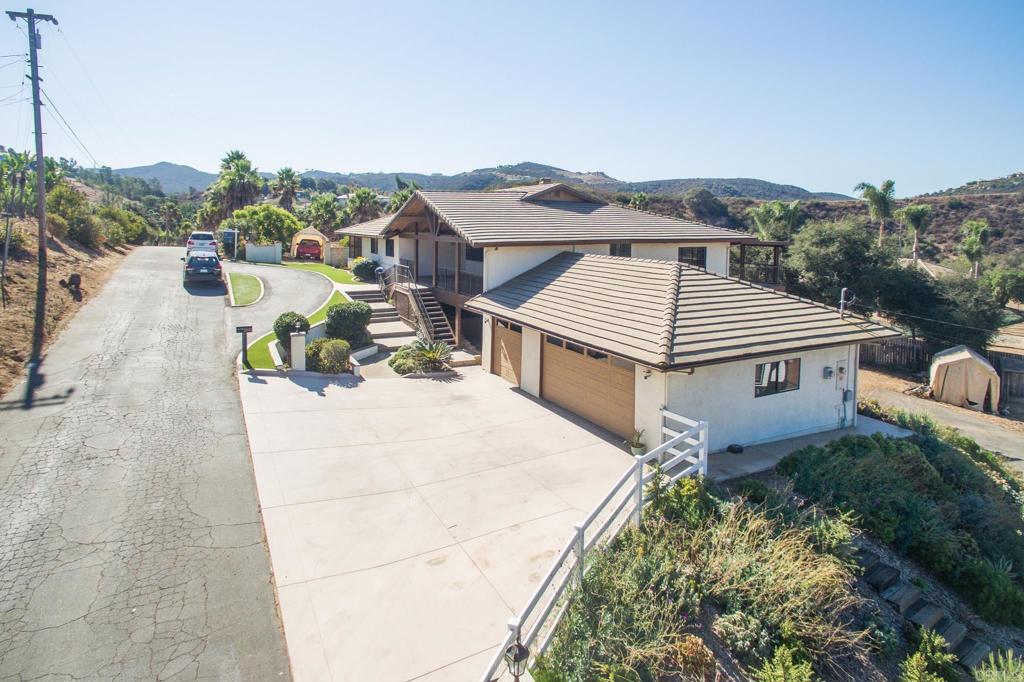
595	386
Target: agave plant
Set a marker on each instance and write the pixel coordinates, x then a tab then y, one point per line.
431	355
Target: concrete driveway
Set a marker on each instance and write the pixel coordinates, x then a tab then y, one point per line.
409	518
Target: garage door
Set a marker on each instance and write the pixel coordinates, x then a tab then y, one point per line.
507	357
595	386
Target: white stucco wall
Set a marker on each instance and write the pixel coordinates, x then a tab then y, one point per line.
505	262
648	399
485	343
723	395
529	379
718	254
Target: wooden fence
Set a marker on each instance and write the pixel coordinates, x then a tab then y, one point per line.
912	355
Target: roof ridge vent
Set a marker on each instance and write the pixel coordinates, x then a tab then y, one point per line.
669	316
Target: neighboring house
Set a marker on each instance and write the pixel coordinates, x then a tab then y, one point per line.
462	243
615	340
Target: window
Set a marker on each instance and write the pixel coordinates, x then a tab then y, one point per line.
554	341
624	250
374	248
776	377
510	326
474	254
696	256
574	347
389	248
596	355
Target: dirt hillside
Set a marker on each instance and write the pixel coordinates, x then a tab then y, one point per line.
16	317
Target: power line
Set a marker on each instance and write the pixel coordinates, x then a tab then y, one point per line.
69	128
876	309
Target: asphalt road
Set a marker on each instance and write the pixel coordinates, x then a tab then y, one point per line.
131	546
285	289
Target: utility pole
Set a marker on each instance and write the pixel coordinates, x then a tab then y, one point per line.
38	330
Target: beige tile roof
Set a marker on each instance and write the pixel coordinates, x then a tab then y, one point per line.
666	314
371	228
521	216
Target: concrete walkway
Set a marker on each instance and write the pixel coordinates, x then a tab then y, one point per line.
409	518
757	458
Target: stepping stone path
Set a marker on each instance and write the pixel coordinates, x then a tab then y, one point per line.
908	601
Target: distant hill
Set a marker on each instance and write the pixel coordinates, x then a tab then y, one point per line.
1014	182
173	177
178	178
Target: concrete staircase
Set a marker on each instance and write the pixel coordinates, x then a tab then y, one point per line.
386	327
910	603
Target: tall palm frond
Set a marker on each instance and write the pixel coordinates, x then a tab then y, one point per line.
880	202
917	217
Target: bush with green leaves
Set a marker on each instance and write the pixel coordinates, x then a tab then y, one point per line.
348	321
784	666
333	357
651	586
313	354
745	635
56	225
935	502
931	662
432	356
20	242
364	268
284	325
86	230
1001	667
403	361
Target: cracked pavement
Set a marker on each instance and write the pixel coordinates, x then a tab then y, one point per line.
132	546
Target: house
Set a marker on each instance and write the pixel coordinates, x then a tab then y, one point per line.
616	339
462	243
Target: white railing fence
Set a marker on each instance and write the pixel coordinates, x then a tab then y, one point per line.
683	452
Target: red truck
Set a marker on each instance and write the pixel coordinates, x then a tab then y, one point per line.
309	248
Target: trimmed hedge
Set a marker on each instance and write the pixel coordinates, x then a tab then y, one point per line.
334	357
284	325
348	321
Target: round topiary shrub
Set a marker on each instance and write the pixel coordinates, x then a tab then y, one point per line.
364	268
313	354
348	320
284	325
333	357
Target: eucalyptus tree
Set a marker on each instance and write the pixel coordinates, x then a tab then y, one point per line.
974	234
286	187
917	217
880	202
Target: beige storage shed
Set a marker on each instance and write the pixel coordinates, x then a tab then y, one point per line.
960	376
309	233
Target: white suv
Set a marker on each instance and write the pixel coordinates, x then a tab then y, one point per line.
200	240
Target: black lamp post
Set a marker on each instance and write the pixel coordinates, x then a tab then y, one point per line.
516	657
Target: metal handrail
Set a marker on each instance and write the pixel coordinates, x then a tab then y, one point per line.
629	488
403	276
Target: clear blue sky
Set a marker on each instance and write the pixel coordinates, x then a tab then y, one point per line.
817	94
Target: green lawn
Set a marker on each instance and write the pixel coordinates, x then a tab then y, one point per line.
259	350
246	288
335	274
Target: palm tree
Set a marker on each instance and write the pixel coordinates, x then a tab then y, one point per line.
399	198
232	158
286	185
775	220
975	234
363	205
880	202
917	216
323	213
239	182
